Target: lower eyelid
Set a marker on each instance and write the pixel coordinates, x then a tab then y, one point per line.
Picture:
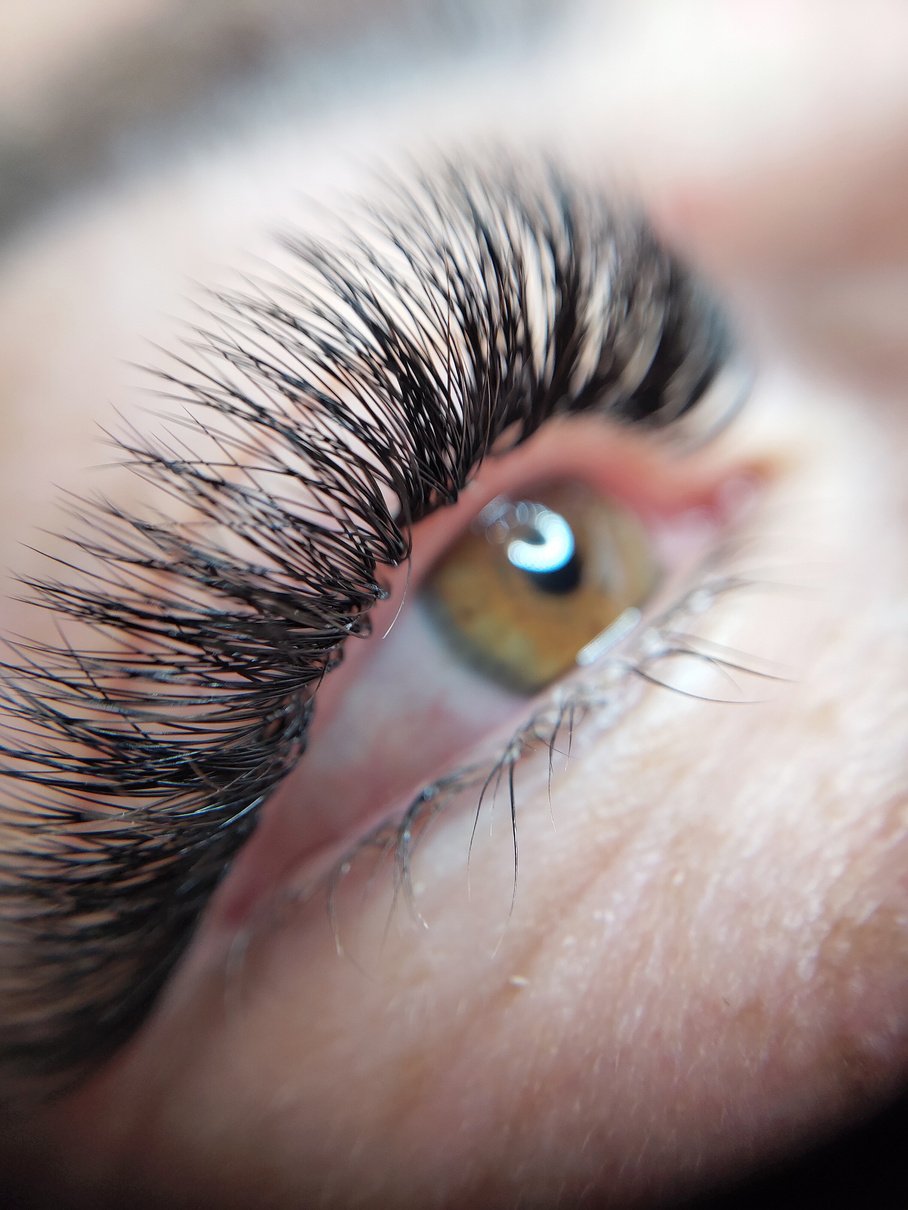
355	889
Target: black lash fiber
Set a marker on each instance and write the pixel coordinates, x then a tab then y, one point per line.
322	415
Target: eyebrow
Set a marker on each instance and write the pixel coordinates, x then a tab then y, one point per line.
453	318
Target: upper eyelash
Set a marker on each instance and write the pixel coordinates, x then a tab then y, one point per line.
460	315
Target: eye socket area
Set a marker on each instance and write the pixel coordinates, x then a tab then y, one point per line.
407	704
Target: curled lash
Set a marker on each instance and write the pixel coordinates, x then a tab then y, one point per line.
323	415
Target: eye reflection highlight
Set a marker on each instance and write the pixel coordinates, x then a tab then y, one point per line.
535	581
541	543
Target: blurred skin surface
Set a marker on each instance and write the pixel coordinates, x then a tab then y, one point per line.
705	966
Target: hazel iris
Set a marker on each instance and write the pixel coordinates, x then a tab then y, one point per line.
534	581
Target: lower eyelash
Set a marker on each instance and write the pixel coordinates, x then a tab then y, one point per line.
606	695
461	316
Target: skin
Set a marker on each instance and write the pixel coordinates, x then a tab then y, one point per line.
704	966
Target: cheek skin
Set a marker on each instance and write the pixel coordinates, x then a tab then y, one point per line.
704	965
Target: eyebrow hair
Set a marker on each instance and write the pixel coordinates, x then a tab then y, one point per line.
335	407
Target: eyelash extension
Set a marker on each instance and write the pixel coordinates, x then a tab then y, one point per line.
334	408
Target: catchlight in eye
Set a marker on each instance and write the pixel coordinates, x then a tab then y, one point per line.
535	580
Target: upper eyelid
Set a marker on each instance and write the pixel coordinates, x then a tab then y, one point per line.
118	723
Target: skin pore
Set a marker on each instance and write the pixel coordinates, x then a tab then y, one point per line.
704	965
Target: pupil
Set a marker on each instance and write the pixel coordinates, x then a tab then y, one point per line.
561	580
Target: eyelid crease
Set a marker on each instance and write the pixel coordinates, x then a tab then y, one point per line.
332	413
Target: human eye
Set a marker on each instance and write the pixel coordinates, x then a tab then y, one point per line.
585	920
326	414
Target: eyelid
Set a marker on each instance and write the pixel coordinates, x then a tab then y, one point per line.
229	620
685	503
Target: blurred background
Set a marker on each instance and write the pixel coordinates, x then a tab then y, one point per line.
95	89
